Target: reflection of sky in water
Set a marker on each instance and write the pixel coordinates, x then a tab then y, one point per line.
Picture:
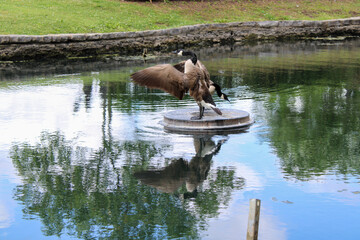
325	206
287	206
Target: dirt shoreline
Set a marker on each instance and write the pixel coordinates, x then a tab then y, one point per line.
57	46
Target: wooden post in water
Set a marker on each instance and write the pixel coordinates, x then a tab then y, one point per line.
253	221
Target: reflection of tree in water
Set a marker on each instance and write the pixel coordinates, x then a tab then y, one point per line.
311	104
314	126
87	193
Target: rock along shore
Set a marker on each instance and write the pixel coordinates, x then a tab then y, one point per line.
35	47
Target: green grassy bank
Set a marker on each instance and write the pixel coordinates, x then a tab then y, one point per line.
89	16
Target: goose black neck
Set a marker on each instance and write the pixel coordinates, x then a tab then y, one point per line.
193	56
217	89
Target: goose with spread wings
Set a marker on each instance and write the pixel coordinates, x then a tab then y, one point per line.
168	78
210	84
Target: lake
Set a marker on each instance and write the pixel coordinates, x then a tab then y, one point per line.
83	155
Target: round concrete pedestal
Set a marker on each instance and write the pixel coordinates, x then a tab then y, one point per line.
231	120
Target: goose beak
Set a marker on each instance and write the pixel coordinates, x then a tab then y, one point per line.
225	97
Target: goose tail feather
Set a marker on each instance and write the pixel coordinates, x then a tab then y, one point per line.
216	110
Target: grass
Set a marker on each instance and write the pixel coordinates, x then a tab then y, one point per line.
89	16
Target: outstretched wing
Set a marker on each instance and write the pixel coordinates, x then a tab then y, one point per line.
164	77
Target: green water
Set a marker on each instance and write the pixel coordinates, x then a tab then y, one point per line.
83	156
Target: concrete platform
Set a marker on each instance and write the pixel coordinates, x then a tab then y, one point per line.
232	120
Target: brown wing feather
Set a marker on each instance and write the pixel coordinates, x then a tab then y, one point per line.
206	73
180	66
164	77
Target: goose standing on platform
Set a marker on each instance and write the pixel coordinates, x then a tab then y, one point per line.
167	78
210	84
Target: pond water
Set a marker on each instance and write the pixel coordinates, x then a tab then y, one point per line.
83	156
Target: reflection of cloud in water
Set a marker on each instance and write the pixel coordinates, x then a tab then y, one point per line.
233	224
46	107
6	217
254	180
34	109
7	169
8	172
181	146
339	190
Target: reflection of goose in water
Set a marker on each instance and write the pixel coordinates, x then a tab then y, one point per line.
193	173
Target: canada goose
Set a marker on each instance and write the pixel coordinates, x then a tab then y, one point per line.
167	78
210	84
